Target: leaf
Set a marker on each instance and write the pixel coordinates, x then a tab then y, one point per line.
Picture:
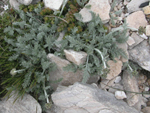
45	64
78	16
86	76
88	6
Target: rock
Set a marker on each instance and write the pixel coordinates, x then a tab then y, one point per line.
35	1
115	88
25	105
117	79
146	110
146	10
80	98
15	4
140	54
136	19
134	5
25	2
77	58
68	77
148	81
53	4
130	84
130	41
106	84
115	69
141	79
137	40
143	36
148	30
98	7
120	95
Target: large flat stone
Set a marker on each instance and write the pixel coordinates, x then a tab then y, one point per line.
80	98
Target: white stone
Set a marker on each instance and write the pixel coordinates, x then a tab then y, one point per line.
148	30
120	95
117	79
136	19
15	4
53	4
146	88
25	2
144	36
77	58
130	41
98	7
134	5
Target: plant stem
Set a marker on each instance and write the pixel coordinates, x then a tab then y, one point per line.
59	18
101	57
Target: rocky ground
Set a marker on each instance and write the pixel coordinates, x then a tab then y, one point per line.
119	92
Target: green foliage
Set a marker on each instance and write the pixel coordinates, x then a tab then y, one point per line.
99	46
141	30
29	41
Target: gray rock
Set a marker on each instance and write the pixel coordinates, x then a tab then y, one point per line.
137	40
25	2
134	5
15	4
146	110
88	99
53	4
130	84
140	54
136	19
35	1
26	105
98	7
77	58
68	77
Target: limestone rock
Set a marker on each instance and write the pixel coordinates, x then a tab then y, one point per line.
134	5
146	110
117	79
53	4
136	19
100	7
25	2
80	98
15	4
26	105
130	41
146	10
115	69
115	88
140	54
105	83
35	1
148	30
77	58
143	36
68	78
130	84
137	40
120	95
